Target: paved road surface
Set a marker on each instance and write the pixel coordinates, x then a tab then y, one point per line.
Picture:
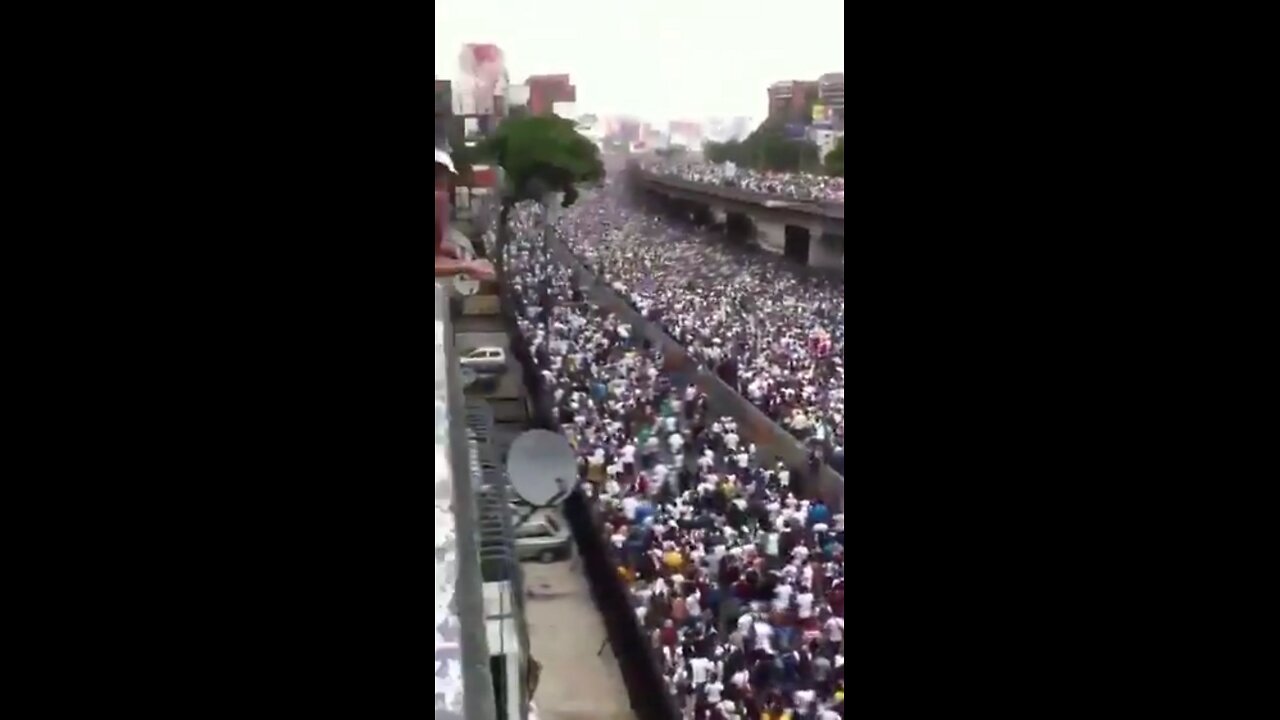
566	632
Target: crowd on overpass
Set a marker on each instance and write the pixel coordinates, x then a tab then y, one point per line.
795	186
774	333
737	580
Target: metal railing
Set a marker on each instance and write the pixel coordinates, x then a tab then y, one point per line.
463	682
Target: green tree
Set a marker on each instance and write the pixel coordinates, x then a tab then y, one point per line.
540	155
769	148
715	152
834	162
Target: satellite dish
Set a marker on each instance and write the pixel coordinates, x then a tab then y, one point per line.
465	285
542	467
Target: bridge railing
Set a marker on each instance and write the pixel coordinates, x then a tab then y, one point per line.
823	208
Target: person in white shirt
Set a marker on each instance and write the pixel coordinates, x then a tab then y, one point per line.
699	667
629	505
707	460
660	473
660	587
691	604
675	441
782	597
835	629
805	602
731	441
714	687
764	636
742	459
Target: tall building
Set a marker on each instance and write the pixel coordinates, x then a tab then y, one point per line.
831	89
685	133
621	129
831	94
792	101
547	90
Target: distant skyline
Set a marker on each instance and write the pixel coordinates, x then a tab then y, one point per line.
660	60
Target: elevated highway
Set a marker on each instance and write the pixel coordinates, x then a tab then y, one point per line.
811	232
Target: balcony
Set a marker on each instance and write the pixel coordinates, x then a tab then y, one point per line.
481	638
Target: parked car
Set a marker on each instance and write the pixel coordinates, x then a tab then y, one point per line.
543	537
485	359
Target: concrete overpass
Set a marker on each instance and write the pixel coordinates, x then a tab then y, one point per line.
810	232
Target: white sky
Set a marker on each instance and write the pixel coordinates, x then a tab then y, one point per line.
658	59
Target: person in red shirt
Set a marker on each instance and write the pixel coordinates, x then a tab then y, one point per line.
668	635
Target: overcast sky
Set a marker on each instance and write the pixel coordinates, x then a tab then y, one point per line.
658	59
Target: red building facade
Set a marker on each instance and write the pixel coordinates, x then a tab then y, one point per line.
546	90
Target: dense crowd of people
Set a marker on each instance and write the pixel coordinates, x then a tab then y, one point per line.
774	333
797	186
735	577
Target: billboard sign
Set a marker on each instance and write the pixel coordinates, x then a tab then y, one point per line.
822	116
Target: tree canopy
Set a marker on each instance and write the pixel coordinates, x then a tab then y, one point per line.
766	148
541	155
834	162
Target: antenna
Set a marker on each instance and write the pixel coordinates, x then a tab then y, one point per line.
542	468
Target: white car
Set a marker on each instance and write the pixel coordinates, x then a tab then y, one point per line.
485	359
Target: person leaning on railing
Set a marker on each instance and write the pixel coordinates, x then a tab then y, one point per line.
449	260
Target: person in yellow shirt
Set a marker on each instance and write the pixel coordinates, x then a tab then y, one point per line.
673	559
